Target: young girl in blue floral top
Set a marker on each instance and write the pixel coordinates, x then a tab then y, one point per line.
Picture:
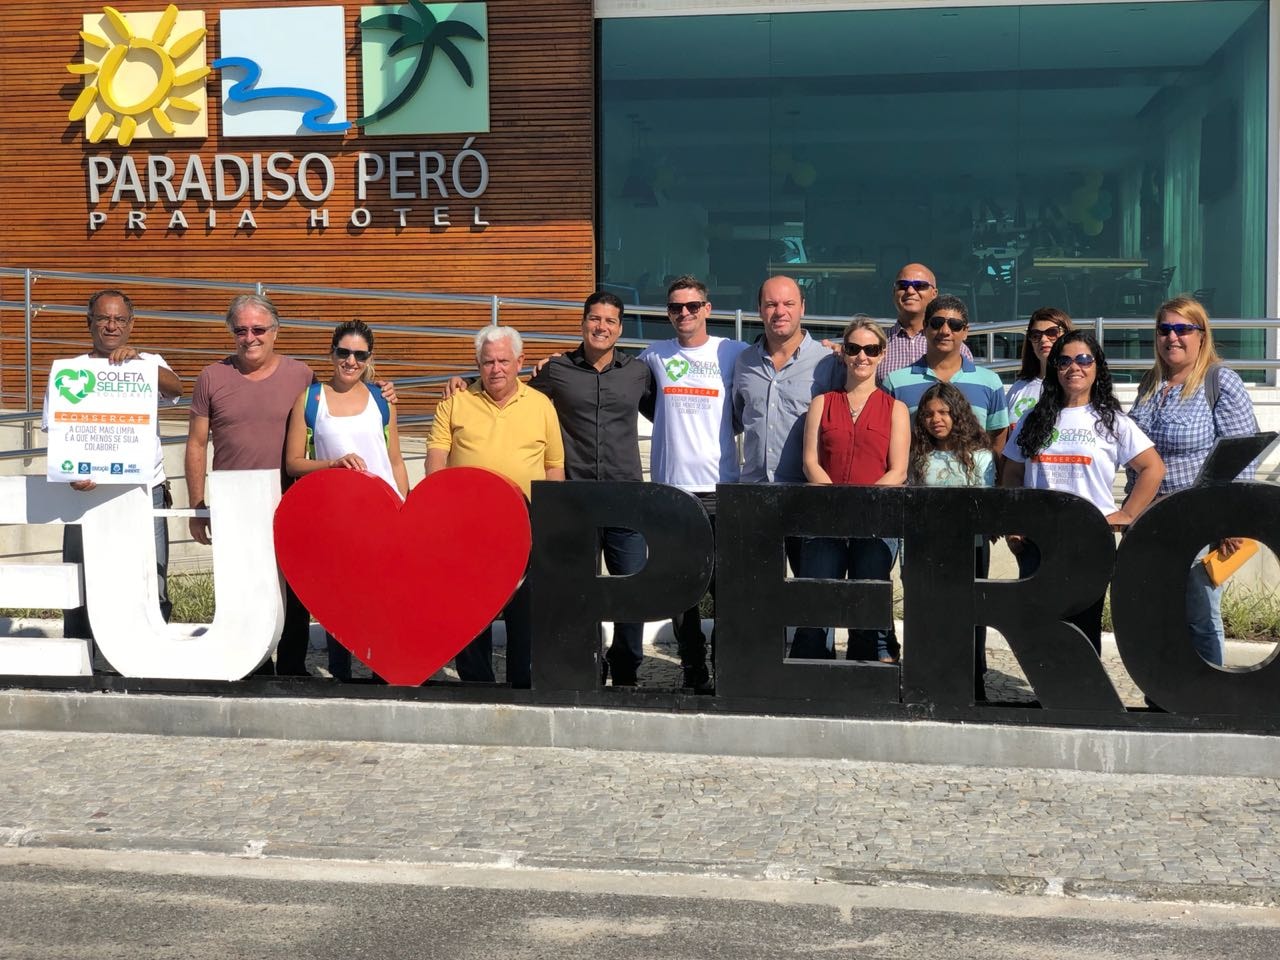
950	449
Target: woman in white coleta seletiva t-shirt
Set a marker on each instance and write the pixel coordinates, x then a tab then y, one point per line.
1074	440
348	434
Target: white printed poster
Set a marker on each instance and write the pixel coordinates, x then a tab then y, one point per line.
102	420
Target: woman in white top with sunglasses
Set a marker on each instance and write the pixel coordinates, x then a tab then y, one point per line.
1074	440
349	432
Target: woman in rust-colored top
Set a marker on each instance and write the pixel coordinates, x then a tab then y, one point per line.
860	435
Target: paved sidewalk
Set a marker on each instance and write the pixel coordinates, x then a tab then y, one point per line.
1034	831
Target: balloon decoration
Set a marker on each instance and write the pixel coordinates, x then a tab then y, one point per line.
801	173
1089	206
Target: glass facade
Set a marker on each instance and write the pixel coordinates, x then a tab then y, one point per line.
1096	157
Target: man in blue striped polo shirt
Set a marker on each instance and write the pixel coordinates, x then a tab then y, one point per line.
947	327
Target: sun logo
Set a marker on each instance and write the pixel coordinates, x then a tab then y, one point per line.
138	81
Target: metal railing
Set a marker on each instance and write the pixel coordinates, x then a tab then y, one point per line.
739	320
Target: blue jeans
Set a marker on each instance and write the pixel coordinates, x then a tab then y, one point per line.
624	553
1204	615
831	558
75	623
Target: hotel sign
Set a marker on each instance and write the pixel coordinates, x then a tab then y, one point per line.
424	70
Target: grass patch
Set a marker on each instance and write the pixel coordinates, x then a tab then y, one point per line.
192	598
191	594
1248	613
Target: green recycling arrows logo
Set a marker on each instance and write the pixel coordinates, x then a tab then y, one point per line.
677	367
74	385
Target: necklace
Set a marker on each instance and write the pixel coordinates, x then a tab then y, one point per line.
854	411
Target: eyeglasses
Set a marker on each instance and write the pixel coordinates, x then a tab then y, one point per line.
955	323
1082	360
916	285
693	306
102	320
870	349
344	353
1181	329
1053	333
242	332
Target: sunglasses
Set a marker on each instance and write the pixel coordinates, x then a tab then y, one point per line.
916	285
870	349
245	331
1082	360
362	356
693	306
1039	335
955	323
1181	329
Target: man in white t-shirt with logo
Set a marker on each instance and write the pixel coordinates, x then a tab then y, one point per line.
110	319
693	441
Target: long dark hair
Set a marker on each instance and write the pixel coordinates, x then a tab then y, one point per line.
966	438
1030	369
1037	426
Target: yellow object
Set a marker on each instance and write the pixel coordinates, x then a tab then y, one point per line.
1220	568
518	441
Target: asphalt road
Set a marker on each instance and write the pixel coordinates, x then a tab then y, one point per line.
67	904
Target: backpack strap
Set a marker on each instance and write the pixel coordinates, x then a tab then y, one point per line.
384	408
1213	386
309	412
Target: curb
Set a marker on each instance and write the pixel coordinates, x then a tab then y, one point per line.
1125	751
1130	891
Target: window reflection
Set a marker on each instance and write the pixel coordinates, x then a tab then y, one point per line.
1095	157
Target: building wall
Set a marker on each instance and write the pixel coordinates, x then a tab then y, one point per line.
538	205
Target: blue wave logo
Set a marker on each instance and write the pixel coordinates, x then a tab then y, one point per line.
243	91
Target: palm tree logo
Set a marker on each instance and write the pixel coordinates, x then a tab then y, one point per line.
424	31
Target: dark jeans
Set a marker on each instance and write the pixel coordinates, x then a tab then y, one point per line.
475	660
291	652
1088	620
624	553
690	640
836	558
75	623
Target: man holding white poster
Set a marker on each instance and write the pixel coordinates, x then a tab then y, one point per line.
100	413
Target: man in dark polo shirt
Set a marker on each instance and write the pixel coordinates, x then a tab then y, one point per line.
597	393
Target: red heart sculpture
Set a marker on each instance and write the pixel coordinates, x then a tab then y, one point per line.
404	587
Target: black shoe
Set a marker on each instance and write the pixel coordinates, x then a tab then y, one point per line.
697	679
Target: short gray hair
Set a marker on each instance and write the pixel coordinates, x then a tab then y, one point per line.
251	300
492	333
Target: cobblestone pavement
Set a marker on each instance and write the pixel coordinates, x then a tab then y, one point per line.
1159	837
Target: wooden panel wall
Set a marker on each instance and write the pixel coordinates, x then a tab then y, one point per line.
539	202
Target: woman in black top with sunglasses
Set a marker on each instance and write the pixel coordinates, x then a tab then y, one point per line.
1075	440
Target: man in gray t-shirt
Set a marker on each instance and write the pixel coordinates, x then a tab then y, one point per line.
246	399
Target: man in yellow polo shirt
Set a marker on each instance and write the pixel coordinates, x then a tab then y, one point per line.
505	426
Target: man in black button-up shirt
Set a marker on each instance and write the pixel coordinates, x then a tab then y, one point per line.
597	393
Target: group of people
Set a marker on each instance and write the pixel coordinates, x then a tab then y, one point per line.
907	406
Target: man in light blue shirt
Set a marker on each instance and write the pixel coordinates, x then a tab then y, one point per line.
773	381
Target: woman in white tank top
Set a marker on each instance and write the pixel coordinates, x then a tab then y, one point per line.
348	433
348	430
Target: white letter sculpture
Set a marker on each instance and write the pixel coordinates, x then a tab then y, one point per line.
119	582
